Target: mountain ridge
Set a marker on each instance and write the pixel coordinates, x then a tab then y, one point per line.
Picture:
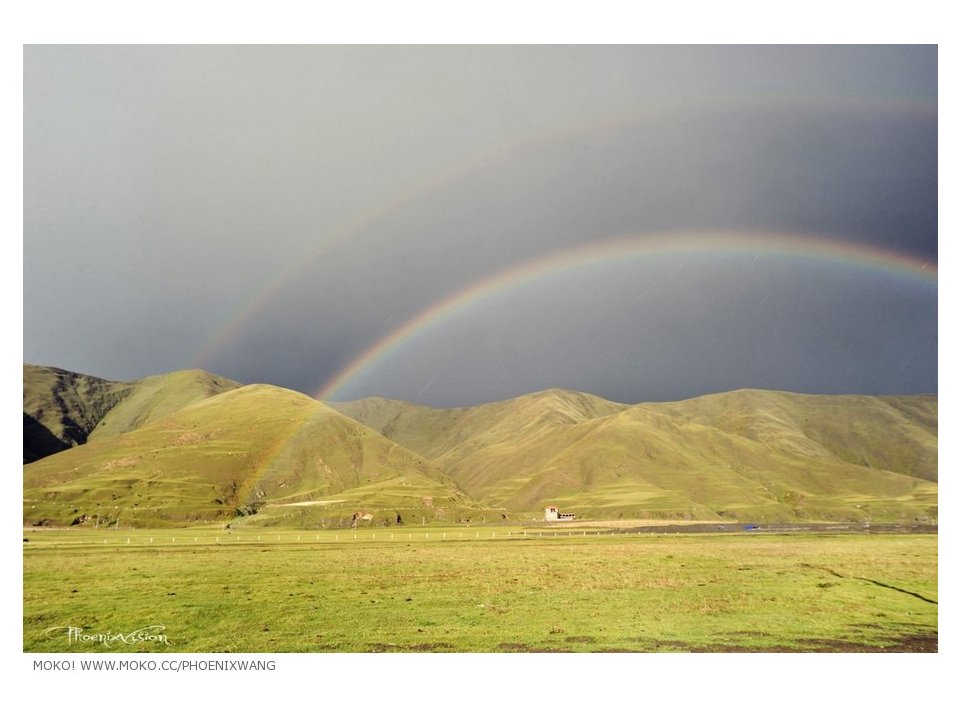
771	454
203	447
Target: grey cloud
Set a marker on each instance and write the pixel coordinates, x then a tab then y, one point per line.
166	188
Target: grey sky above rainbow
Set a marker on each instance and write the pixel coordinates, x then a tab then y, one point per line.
458	224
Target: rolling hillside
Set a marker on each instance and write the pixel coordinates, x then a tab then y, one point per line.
155	397
897	434
63	409
193	447
450	435
256	454
757	455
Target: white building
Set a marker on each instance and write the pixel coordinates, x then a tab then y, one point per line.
552	513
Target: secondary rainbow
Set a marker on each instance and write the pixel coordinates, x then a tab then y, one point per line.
500	152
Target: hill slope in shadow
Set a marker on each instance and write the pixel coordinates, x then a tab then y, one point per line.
63	409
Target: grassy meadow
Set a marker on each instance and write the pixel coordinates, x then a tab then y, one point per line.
489	589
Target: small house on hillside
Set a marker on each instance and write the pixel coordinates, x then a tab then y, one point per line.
552	512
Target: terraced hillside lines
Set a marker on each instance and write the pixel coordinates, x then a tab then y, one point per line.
758	455
450	436
897	434
252	449
643	462
158	396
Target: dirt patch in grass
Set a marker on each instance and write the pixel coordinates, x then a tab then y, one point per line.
514	647
923	642
916	643
668	644
418	647
524	648
383	647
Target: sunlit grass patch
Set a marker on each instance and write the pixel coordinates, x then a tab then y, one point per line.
445	589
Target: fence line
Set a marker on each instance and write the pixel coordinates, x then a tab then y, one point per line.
489	534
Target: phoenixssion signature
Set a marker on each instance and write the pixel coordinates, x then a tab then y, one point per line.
148	634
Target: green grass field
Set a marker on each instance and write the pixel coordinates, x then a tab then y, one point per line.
492	589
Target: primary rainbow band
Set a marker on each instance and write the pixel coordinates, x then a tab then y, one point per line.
701	244
233	325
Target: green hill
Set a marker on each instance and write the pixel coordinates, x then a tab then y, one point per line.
157	396
193	447
898	434
757	455
63	409
449	436
255	454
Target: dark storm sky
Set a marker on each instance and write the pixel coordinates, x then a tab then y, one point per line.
271	213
